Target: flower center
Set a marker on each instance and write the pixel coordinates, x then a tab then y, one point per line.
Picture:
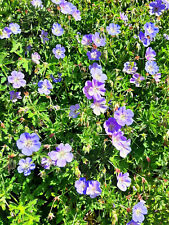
94	55
138	211
28	143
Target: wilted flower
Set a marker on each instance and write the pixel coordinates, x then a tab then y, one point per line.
62	155
139	210
81	185
166	36
150	54
44	87
59	51
57	29
73	110
93	188
98	75
14	96
98	41
124	181
15	28
123	17
130	67
25	166
144	39
99	106
151	67
46	163
113	29
97	89
76	15
136	79
44	36
156	7
111	126
121	143
123	116
16	79
157	77
35	58
28	143
151	29
94	54
37	3
87	39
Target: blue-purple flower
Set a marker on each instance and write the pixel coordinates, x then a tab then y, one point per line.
59	51
97	89
14	96
151	67
166	36
86	39
166	3
95	66
136	79
111	126
73	110
44	35
44	87
156	8
25	166
124	181
121	143
113	29
28	143
88	84
145	39
67	7
123	116
94	54
57	2
98	75
99	106
17	79
81	185
150	29
98	41
37	3
139	210
6	32
62	155
57	29
59	79
93	188
35	57
130	67
150	54
15	28
132	222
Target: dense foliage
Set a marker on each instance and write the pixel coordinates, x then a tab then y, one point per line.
52	107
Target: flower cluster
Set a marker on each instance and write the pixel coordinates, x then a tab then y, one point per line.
68	8
13	28
150	32
91	188
95	89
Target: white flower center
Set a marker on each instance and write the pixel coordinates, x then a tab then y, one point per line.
93	55
28	143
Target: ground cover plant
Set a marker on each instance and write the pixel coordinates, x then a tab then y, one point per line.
84	112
